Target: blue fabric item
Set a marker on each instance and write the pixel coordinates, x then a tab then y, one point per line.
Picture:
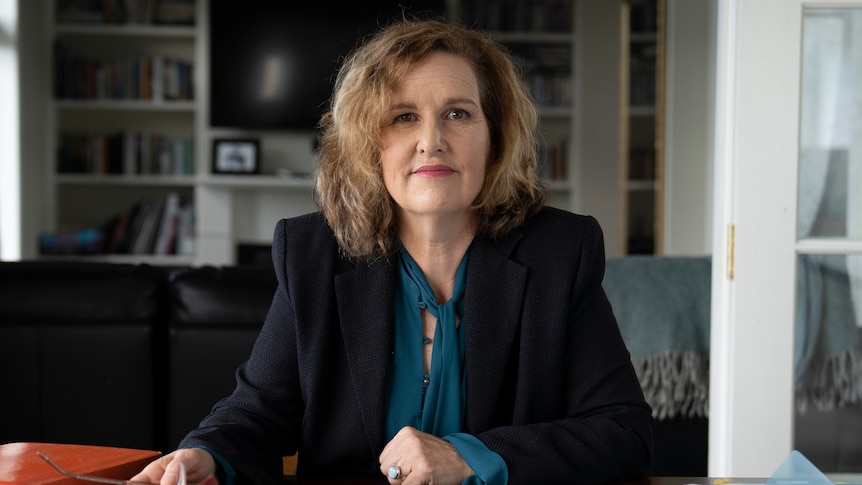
798	470
662	306
828	360
489	467
230	474
440	412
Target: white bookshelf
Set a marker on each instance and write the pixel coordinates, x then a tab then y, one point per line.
94	96
237	209
545	37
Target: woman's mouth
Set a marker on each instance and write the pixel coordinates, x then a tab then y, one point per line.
434	171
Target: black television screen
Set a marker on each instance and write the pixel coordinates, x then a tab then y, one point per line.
272	63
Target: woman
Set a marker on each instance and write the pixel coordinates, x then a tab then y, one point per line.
433	322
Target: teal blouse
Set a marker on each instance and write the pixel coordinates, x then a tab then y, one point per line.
434	402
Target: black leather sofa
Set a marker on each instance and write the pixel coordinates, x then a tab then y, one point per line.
215	317
120	354
135	355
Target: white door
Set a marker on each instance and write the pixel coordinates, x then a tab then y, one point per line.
788	210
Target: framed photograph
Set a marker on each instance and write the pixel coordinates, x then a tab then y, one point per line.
236	156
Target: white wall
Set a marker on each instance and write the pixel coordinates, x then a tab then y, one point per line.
24	90
689	114
599	69
10	246
35	90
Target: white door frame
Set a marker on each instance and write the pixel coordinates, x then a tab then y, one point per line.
751	393
756	177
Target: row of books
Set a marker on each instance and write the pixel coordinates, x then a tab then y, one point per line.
643	16
133	76
150	226
125	152
519	15
553	160
550	89
547	72
642	75
642	84
173	12
154	226
641	164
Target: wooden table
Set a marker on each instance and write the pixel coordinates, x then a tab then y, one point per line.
293	480
19	463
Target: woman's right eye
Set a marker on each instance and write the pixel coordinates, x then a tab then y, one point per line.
404	117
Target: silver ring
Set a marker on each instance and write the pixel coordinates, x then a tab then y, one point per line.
395	473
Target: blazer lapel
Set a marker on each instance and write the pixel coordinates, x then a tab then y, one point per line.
365	307
493	299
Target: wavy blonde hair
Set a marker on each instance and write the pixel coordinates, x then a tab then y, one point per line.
350	191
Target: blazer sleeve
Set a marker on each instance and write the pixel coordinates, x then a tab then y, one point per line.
244	427
598	427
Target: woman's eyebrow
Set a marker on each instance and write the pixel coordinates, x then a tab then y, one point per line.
450	101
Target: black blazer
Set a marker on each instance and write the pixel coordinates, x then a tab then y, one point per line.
549	382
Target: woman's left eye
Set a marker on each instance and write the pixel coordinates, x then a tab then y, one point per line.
457	114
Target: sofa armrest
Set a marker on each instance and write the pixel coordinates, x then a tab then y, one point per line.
216	315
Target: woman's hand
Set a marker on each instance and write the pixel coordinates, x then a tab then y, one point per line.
423	458
200	468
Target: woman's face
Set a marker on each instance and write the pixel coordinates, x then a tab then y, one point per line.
436	142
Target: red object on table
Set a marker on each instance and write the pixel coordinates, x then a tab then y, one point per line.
19	463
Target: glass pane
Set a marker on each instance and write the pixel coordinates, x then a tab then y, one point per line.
830	168
828	352
828	360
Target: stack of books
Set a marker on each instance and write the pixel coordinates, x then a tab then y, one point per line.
150	227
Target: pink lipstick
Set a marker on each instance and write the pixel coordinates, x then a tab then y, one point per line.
434	171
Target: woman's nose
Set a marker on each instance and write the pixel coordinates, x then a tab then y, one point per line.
431	138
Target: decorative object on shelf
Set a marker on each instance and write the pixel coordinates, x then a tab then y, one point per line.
236	156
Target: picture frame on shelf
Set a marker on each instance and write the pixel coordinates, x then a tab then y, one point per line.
236	156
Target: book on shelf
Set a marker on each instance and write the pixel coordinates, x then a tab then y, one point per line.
547	72
125	152
134	76
124	230
642	72
553	161
519	16
170	12
80	11
165	242
643	16
157	226
175	12
150	214
641	164
149	227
